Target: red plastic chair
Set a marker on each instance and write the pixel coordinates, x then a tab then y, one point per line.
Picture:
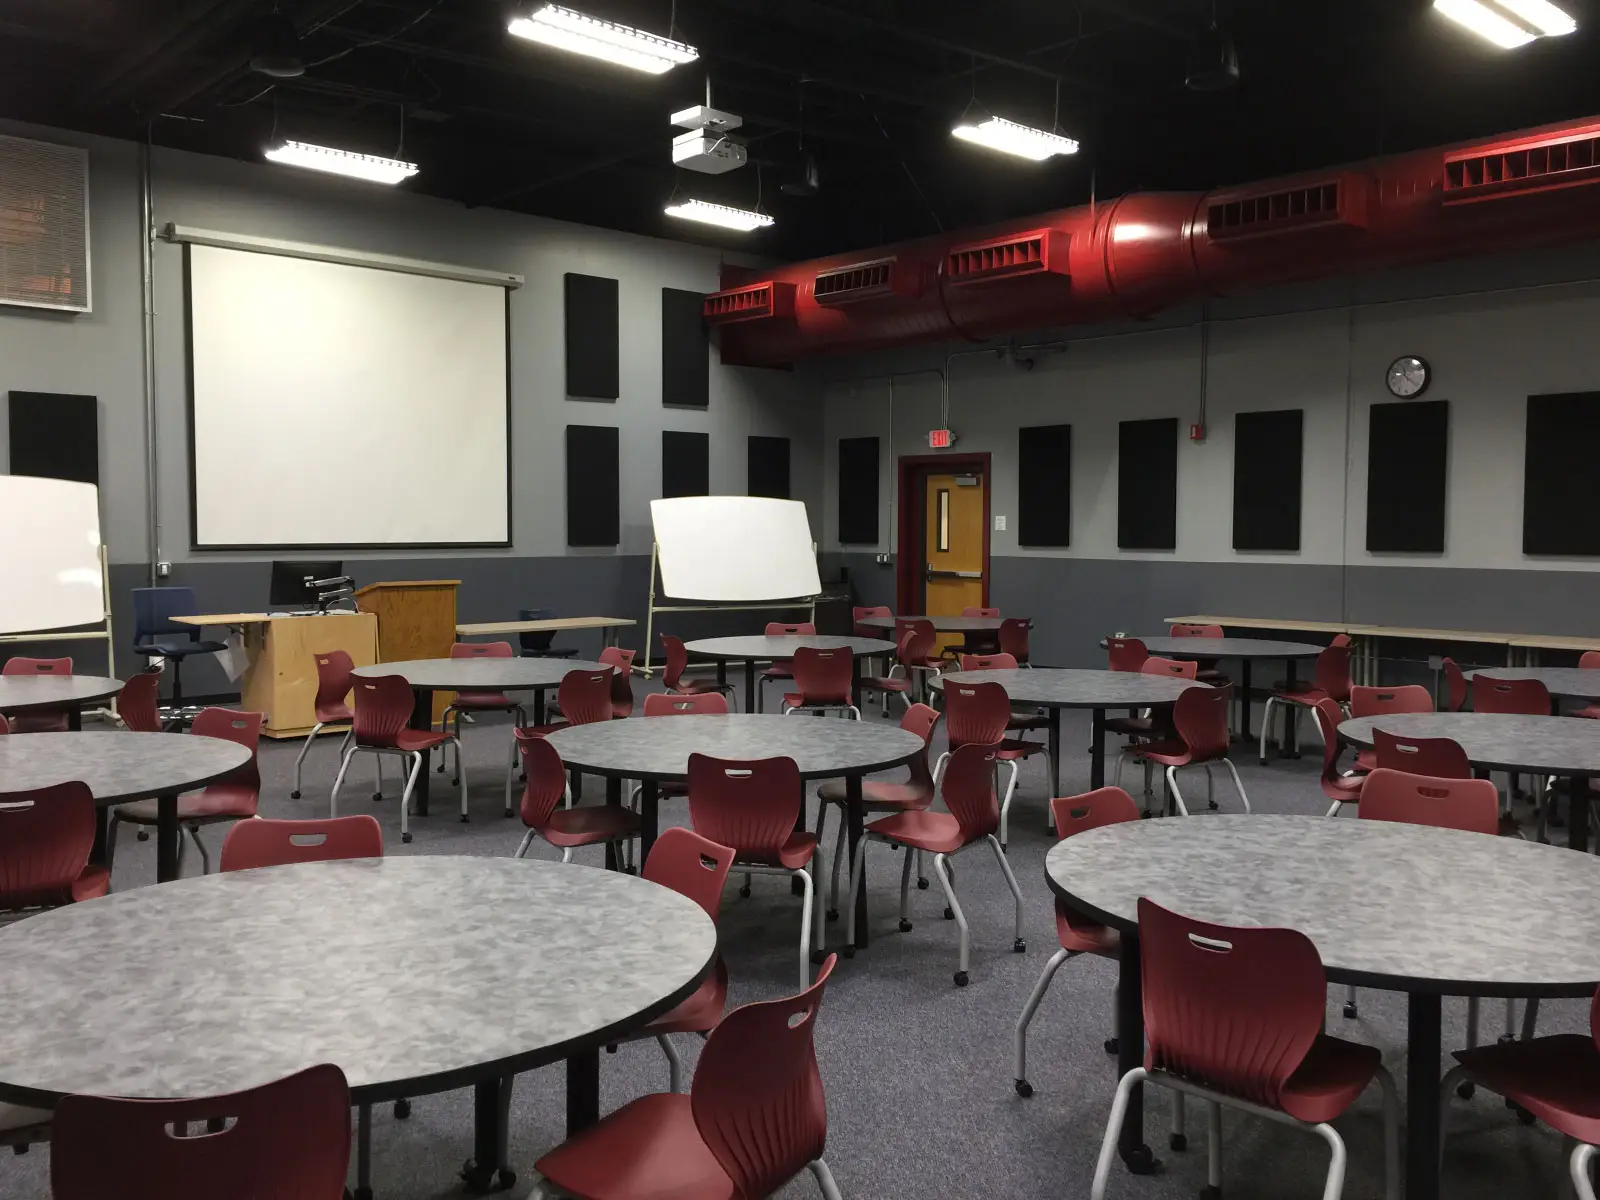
139	704
822	682
1556	1078
1015	633
1517	697
974	816
235	798
609	825
1472	805
1208	667
1441	758
1022	720
1588	661
755	1117
46	835
383	707
672	676
476	702
783	668
1076	933
331	707
1125	654
914	642
1340	787
621	681
1234	1017
268	843
1151	725
1456	686
1200	723
38	720
1341	639
1333	681
861	613
753	807
287	1140
979	714
978	641
1380	701
686	704
584	697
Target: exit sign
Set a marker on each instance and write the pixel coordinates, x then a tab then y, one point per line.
940	439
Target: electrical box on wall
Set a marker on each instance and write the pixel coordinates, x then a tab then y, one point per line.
1197	433
941	439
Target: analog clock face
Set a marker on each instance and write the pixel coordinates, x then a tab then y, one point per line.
1408	376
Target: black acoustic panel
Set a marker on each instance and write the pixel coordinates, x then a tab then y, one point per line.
1147	484
593	507
1268	453
591	314
1563	445
685	350
1044	485
685	463
55	436
858	491
767	464
1408	459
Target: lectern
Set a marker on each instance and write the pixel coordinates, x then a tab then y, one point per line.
416	619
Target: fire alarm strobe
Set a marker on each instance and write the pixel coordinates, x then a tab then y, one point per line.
708	147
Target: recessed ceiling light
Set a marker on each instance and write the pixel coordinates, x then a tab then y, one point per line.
719	214
1008	137
622	45
342	162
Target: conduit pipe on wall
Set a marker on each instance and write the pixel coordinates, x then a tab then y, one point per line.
147	233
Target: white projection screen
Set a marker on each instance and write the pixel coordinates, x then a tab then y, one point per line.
50	544
344	406
734	548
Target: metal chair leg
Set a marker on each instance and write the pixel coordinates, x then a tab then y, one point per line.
301	757
405	797
1035	998
1019	945
942	870
338	780
674	1063
830	1189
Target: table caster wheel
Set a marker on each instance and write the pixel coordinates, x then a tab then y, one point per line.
1214	806
294	795
905	925
455	781
406	838
465	819
949	913
475	1177
833	914
377	797
961	979
1350	1010
402	1109
1019	946
1113	1046
143	836
922	884
1505	1039
1141	1160
504	1179
1179	1143
744	893
439	770
1024	1088
1465	1090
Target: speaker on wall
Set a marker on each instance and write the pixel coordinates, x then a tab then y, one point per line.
1268	448
1563	445
767	467
1044	485
858	491
685	464
1408	457
593	504
685	350
55	436
1147	484
591	320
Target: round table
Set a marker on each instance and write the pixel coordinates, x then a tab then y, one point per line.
20	693
1410	908
1246	650
1055	689
656	749
413	975
122	766
754	649
940	624
1496	742
1573	683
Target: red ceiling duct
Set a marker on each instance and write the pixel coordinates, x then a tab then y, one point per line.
1148	251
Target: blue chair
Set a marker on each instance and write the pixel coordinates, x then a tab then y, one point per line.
157	635
537	645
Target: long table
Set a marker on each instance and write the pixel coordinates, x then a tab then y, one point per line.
548	625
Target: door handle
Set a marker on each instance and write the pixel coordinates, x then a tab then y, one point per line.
931	573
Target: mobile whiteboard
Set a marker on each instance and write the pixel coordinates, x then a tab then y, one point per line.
50	544
734	548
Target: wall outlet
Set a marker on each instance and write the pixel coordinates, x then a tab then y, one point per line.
999	524
163	570
885	559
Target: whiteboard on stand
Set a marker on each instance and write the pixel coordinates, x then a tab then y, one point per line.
50	545
734	548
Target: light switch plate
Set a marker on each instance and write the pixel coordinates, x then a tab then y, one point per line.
999	524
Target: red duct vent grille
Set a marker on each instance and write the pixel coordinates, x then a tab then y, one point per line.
874	280
1037	252
1521	168
754	302
1326	204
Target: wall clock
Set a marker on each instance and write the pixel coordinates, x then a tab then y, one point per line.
1409	376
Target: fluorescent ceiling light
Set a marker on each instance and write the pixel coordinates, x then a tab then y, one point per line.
1485	22
342	162
564	29
1542	15
1010	138
719	214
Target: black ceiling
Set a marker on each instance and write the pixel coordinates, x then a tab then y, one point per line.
871	86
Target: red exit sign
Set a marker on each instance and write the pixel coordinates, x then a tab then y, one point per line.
940	439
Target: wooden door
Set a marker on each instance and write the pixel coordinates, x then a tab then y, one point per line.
953	558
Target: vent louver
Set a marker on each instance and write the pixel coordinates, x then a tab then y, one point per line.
1036	252
44	225
1326	204
874	280
754	302
1521	168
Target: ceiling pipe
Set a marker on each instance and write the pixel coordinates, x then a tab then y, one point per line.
1147	252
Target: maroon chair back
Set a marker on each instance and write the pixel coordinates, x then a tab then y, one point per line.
779	629
1442	758
1375	701
968	788
989	662
921	719
45	838
1169	666
383	709
1234	1009
264	843
1455	682
750	805
1200	718
1518	697
546	784
1469	804
482	650
1125	654
690	865
18	665
1103	806
138	702
1333	672
757	1095
333	685
822	676
1589	660
677	660
244	728
1340	639
288	1139
5	725
621	680
859	614
697	704
585	696
1014	634
1185	630
914	641
975	713
973	610
1329	718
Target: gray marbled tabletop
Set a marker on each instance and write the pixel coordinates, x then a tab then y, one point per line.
659	747
414	975
1573	682
1208	648
940	624
1547	745
763	648
20	692
481	674
1049	688
1399	907
117	766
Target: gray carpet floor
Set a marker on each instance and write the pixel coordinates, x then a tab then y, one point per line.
918	1072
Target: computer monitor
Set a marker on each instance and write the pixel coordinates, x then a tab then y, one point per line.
289	582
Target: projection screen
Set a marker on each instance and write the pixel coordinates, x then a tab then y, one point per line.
337	405
734	548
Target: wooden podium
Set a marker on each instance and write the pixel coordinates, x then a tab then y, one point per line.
416	619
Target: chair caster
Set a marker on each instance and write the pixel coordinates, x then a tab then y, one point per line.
476	1178
508	813
905	925
1146	815
1350	1010
1019	946
455	781
377	797
1213	805
1024	1088
832	914
922	884
143	836
961	979
406	838
439	770
295	795
465	820
1465	1090
402	1109
744	893
949	913
1113	1046
1179	1143
1141	1160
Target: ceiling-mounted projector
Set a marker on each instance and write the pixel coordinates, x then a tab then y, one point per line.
708	147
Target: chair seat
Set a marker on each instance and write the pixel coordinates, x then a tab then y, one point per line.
589	825
1333	1074
1589	712
699	687
547	730
888	684
1556	1078
1367	760
1080	935
935	832
91	885
178	649
1024	721
335	714
1308	694
647	1150
1014	748
794	853
220	802
796	700
479	701
40	720
1132	726
1168	753
1348	785
877	796
1213	677
779	670
700	1013
419	739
